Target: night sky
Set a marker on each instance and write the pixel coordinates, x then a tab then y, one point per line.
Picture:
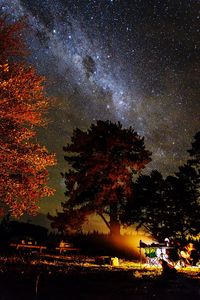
132	61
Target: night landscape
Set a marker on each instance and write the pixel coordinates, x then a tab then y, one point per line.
99	149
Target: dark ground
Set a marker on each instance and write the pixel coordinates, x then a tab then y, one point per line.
79	278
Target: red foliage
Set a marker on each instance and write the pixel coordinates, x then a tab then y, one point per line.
23	163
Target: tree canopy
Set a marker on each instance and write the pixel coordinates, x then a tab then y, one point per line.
102	160
171	206
23	104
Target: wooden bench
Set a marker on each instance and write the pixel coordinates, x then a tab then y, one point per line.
27	246
65	249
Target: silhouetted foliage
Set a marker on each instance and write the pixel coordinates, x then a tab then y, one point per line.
15	231
168	207
103	160
195	152
95	243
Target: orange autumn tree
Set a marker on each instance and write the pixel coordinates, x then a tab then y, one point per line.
23	104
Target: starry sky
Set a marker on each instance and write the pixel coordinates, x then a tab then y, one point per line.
133	61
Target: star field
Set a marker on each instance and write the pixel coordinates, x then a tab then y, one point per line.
132	61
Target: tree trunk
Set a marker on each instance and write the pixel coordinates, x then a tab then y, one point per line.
114	220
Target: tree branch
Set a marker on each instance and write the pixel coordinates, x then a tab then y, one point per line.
104	219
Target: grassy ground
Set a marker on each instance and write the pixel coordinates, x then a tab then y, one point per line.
79	277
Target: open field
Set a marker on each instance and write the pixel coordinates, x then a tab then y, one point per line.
79	277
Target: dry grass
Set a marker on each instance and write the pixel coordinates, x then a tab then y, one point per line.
77	277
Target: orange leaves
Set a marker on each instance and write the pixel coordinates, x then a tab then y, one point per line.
4	68
23	103
23	179
22	185
23	91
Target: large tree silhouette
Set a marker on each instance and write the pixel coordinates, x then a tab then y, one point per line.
103	160
23	104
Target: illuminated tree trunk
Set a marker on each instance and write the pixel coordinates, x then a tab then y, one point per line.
114	220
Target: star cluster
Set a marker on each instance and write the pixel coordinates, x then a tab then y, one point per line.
132	61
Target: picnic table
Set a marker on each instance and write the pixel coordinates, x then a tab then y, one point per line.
28	246
66	246
64	249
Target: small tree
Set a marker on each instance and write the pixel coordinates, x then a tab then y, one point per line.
23	103
103	160
194	161
195	152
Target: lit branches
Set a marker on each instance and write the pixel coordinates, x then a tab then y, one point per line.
23	104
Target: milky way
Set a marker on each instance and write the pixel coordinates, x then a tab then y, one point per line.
136	62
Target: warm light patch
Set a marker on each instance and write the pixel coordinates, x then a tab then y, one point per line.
131	242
